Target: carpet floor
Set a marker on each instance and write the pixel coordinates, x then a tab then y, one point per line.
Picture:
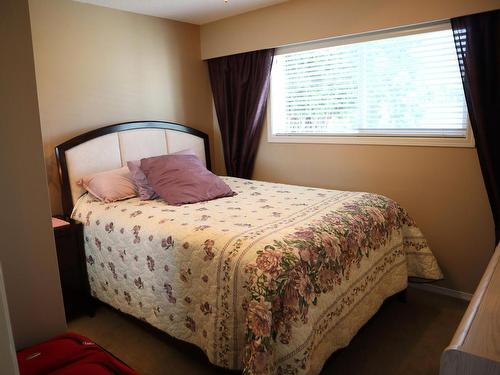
402	338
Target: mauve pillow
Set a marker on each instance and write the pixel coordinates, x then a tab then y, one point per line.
110	186
180	179
145	190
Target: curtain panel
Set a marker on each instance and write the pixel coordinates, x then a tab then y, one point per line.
240	86
477	41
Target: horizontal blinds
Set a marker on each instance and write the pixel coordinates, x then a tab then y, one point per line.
402	85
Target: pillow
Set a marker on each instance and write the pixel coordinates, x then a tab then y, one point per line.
180	179
145	190
110	186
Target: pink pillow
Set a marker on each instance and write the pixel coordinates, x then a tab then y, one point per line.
110	186
145	190
180	179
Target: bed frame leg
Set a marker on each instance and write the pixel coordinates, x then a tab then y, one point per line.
402	296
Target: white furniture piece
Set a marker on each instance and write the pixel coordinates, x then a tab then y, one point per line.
475	348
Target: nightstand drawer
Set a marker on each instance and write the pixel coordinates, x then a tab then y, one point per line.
67	251
71	278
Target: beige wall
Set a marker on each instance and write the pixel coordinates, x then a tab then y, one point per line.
97	66
305	20
27	251
442	188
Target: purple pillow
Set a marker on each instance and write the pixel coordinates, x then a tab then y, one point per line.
180	179
145	190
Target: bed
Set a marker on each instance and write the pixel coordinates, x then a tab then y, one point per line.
271	280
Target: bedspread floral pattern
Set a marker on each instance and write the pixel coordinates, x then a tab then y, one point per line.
257	280
290	275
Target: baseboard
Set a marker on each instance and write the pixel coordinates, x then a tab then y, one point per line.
441	290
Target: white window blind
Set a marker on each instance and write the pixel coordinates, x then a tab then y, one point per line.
387	84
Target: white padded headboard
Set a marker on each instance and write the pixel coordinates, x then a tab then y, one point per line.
112	146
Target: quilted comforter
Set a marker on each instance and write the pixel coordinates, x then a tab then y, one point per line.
272	280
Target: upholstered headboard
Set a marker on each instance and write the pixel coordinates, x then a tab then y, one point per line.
112	146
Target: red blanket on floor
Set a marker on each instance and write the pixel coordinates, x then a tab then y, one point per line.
70	353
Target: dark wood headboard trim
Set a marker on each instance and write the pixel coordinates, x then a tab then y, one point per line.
60	150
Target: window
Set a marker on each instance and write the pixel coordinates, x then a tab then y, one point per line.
396	87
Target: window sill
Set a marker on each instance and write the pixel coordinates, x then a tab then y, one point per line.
467	142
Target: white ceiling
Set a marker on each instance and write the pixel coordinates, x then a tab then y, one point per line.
192	11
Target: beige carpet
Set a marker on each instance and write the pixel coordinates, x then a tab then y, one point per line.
402	338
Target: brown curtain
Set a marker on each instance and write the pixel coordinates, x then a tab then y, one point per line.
240	87
477	40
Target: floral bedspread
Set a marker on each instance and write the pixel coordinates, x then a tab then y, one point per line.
272	280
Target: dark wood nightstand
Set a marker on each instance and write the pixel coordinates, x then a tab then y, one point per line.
72	268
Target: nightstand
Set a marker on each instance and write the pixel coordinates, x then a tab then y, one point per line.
72	267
